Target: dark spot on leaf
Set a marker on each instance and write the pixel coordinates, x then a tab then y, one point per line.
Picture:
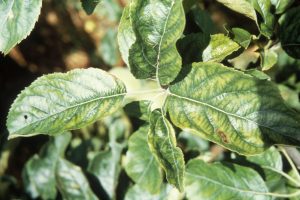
222	135
25	117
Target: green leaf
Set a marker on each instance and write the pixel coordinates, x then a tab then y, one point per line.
157	26
138	109
89	5
138	193
126	37
106	167
228	107
141	165
71	181
193	142
281	5
17	21
243	7
162	142
108	48
264	8
191	47
241	36
290	96
271	163
203	20
268	59
292	187
289	32
223	182
65	101
39	171
220	46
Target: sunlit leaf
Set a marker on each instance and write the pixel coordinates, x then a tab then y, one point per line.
141	165
220	181
220	46
238	111
162	142
157	26
268	59
241	6
271	163
17	21
71	182
126	37
106	167
138	193
65	101
39	171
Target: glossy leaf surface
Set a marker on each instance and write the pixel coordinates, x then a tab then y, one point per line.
238	111
223	182
71	182
162	142
39	172
17	21
141	165
65	101
220	46
157	26
241	6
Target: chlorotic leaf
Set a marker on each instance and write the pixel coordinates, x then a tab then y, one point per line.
17	21
39	171
105	166
89	5
268	59
223	182
126	37
141	165
71	181
157	26
240	6
238	111
162	142
220	46
65	101
289	32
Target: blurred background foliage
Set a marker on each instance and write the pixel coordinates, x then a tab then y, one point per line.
64	38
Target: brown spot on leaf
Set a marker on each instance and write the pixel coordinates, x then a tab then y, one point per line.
222	135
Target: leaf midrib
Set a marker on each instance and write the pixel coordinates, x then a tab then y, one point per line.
68	108
220	110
